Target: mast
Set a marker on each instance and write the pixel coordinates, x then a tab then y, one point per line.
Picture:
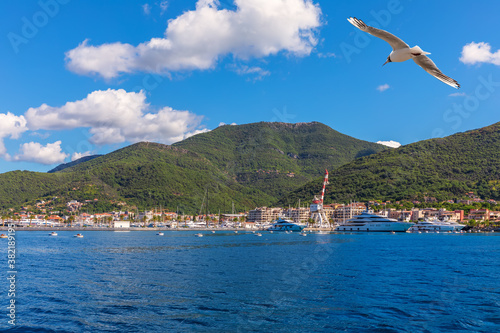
318	213
325	182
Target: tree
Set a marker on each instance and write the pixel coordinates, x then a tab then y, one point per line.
71	219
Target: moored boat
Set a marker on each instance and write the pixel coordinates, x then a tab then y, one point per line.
436	226
53	233
369	222
285	225
78	236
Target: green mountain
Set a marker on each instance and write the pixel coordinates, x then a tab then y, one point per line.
441	168
263	155
250	165
73	163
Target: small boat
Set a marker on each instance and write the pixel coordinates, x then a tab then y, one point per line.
160	233
213	231
3	236
53	233
198	235
285	225
236	231
303	234
258	234
79	236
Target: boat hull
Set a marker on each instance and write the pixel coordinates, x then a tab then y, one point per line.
286	228
375	227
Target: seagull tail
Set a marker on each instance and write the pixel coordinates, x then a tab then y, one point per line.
417	49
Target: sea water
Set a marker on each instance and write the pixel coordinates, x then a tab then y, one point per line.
228	282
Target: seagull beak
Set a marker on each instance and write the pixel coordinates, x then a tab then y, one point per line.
388	60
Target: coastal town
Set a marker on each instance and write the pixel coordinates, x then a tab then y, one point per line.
473	211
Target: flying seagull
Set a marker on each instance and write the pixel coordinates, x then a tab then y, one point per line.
402	52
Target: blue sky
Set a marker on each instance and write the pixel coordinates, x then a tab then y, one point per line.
90	77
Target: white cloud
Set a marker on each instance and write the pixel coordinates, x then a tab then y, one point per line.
327	55
474	53
257	72
198	38
392	144
224	124
383	87
116	116
10	125
77	156
163	6
146	9
35	152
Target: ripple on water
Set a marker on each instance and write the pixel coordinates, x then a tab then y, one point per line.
121	282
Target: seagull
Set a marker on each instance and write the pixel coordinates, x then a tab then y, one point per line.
402	52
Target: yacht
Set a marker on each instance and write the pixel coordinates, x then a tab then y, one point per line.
285	225
367	221
436	226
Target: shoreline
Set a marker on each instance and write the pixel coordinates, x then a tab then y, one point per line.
145	229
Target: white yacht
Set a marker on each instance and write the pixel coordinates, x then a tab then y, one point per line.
368	221
285	225
436	226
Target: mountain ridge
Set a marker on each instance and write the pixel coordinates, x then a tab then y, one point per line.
252	165
440	168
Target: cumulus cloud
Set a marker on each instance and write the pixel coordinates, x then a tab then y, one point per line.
115	116
476	53
10	126
77	156
383	87
392	144
224	124
197	39
37	153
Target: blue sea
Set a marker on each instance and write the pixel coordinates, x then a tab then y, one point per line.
227	282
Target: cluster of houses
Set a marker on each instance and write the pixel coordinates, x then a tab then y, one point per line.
336	214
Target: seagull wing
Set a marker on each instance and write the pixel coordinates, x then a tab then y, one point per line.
394	41
430	67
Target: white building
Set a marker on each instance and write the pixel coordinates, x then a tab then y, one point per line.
121	224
